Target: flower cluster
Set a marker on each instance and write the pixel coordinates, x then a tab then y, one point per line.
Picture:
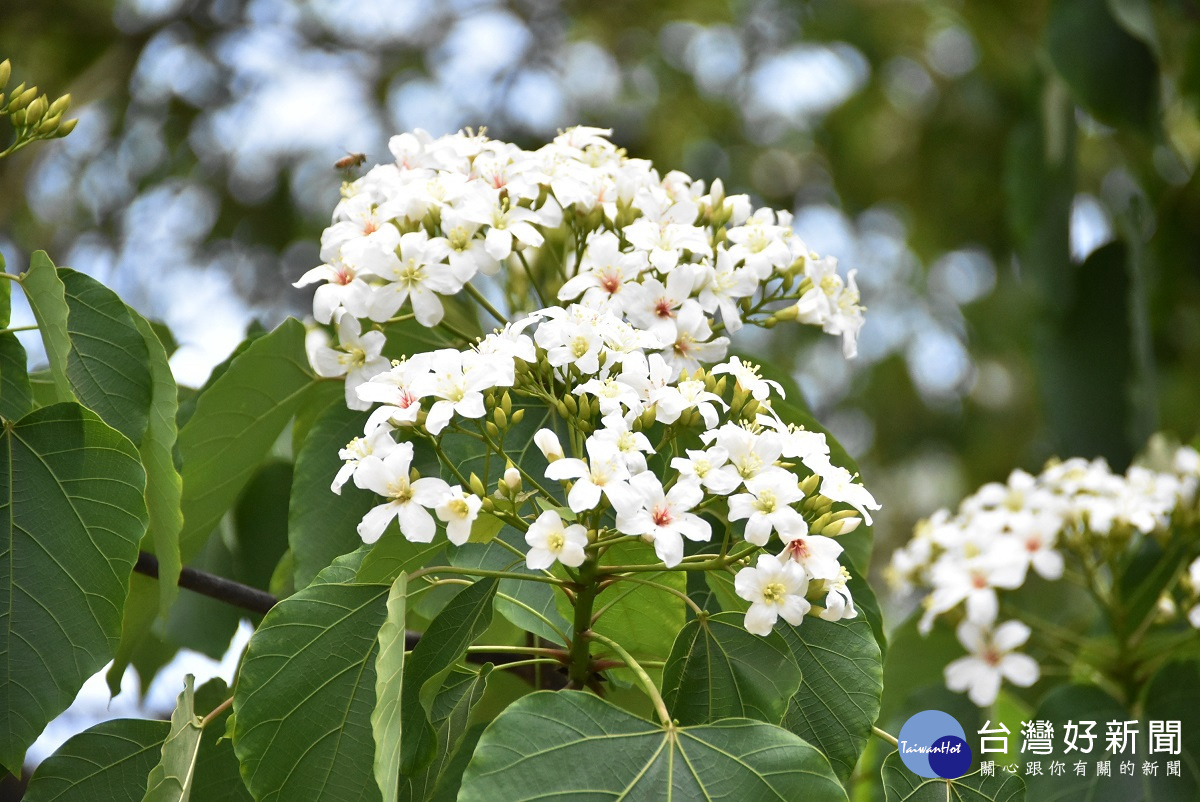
643	441
612	387
574	221
1074	508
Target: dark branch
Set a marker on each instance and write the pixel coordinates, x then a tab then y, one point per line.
213	586
259	601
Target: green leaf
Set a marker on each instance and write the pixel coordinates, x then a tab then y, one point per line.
574	745
529	605
16	395
386	723
394	554
5	296
108	364
48	299
1174	694
164	487
73	516
218	777
305	693
321	524
839	698
450	715
237	420
1081	703
719	670
1111	74
642	618
901	785
109	761
171	779
464	619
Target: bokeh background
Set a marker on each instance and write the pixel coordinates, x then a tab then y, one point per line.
1013	180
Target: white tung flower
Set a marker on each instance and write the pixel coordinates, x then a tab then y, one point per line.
407	500
992	659
419	274
766	508
357	357
665	517
458	511
603	472
774	589
549	541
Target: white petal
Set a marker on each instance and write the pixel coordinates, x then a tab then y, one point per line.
375	521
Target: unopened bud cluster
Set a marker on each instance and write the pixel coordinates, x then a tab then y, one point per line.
31	114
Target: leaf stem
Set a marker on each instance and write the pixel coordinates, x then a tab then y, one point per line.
13	329
887	736
480	572
216	712
474	292
648	684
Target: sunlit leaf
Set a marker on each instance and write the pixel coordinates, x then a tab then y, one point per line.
574	745
73	515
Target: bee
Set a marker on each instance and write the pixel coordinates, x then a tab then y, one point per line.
350	161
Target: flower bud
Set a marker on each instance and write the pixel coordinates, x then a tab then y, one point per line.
5	72
60	105
48	124
500	418
66	127
787	313
492	429
36	110
506	403
842	526
512	479
24	99
518	416
476	485
547	443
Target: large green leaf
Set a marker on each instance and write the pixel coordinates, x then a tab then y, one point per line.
1111	74
1171	695
839	697
235	423
16	396
164	486
109	761
642	618
305	692
73	515
171	778
218	776
443	644
530	605
719	670
108	364
386	721
901	785
321	524
451	717
48	299
1174	694
574	745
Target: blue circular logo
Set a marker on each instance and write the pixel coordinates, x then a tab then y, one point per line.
933	744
